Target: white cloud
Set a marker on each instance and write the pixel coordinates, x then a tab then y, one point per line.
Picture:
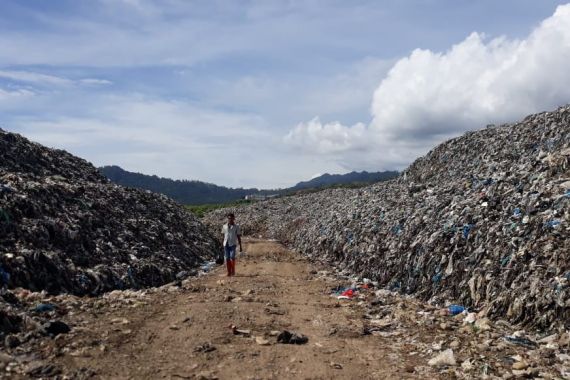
9	98
174	139
327	138
33	77
36	78
95	82
430	96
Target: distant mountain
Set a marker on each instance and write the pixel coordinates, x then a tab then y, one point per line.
185	192
198	193
327	180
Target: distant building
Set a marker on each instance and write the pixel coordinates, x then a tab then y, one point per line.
260	197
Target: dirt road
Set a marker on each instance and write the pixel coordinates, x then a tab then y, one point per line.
183	332
274	290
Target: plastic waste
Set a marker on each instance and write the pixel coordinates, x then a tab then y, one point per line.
444	358
450	247
44	307
456	309
520	341
67	229
207	266
291	338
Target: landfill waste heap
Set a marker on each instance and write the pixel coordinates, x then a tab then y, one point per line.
483	221
64	228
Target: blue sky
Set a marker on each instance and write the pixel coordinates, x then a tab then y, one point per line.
268	93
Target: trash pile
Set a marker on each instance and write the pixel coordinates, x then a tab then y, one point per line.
482	221
65	229
453	340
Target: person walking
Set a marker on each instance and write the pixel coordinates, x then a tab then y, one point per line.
232	237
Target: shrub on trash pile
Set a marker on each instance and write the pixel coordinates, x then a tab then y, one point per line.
65	228
482	220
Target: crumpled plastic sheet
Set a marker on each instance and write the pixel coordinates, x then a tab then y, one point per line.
483	220
65	228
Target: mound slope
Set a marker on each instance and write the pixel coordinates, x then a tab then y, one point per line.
65	228
482	220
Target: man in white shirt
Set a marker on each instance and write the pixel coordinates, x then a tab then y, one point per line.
232	237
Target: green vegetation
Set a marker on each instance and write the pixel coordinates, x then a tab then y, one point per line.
201	210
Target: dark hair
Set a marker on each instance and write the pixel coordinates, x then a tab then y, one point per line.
231	215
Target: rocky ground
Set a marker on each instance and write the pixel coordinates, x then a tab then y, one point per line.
214	327
482	221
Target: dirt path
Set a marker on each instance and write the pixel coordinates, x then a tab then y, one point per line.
273	290
182	331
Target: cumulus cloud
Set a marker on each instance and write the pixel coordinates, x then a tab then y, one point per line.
327	138
430	96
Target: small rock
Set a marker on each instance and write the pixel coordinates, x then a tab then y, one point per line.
5	359
122	321
206	375
483	324
467	365
205	347
336	365
520	365
549	339
42	370
262	341
470	318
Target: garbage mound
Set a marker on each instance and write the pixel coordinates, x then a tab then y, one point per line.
482	221
65	229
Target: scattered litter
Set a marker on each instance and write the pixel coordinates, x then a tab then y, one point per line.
445	358
237	331
44	307
456	309
205	347
519	341
55	328
291	338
